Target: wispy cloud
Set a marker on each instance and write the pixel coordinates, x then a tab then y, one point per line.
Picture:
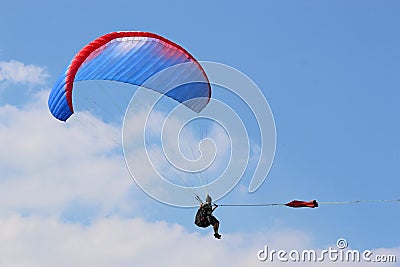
18	72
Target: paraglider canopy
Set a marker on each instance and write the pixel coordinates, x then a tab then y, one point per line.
131	57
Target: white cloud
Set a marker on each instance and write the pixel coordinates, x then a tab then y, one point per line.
35	241
42	242
18	72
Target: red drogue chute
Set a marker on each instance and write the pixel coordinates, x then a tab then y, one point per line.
302	204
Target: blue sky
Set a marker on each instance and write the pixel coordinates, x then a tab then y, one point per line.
329	71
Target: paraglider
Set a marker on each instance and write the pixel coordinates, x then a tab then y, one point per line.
135	57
